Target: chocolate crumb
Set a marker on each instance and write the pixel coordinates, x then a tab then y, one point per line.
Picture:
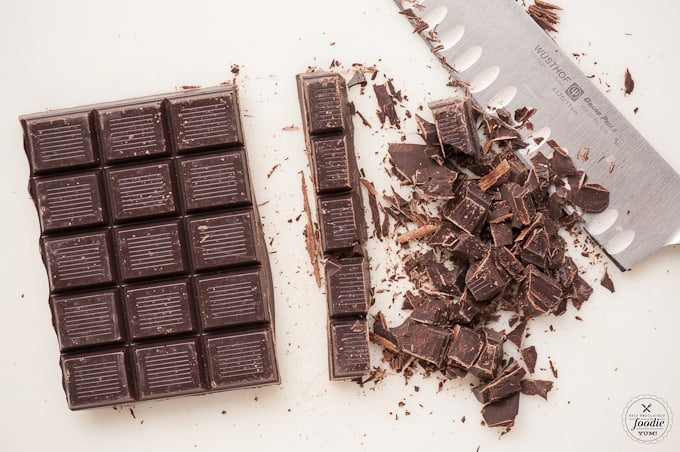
628	83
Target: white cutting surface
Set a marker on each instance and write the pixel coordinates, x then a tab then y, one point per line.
72	53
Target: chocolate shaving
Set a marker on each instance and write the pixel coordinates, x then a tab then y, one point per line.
311	243
373	205
545	15
386	104
536	387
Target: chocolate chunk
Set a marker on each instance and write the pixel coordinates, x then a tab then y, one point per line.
465	346
78	260
496	176
132	131
502	413
530	356
428	131
581	292
541	292
535	248
607	282
382	335
347	280
69	202
486	279
205	119
561	163
435	182
118	188
434	311
467	246
536	387
340	222
516	336
161	309
240	358
235	298
422	341
323	98
225	240
169	368
520	201
407	159
357	78
141	191
455	126
490	357
506	383
57	142
83	320
592	198
331	161
501	233
215	180
102	377
469	213
146	251
348	343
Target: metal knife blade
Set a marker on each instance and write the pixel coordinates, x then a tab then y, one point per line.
501	40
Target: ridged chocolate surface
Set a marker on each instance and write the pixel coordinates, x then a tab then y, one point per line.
153	247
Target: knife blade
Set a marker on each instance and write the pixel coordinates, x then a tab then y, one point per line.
509	61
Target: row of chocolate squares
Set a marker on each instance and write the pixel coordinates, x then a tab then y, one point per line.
221	240
146	311
164	187
175	123
207	362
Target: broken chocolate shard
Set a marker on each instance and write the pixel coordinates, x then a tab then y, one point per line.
422	341
382	335
489	359
428	131
386	102
435	182
581	291
541	292
561	163
456	126
530	356
606	282
486	279
506	383
592	198
407	159
501	233
502	413
535	248
496	176
465	346
357	78
536	387
516	336
469	213
435	311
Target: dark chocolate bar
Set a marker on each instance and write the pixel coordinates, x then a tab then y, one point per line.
330	146
158	270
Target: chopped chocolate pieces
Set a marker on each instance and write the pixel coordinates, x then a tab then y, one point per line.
502	413
490	357
422	341
628	83
470	211
541	292
465	346
497	175
607	282
592	198
456	126
357	78
536	387
506	383
530	356
516	336
561	163
486	279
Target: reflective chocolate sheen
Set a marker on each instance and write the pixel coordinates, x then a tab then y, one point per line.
158	270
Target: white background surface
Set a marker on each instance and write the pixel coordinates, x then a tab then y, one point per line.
72	53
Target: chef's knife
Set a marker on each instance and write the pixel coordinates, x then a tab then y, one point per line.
509	61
